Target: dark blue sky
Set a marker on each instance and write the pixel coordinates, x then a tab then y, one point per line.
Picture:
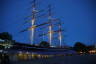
78	15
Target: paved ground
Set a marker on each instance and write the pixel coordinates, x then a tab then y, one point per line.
85	59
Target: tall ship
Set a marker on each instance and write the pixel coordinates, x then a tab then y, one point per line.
50	36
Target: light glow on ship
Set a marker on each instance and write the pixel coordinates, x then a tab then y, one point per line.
50	34
32	32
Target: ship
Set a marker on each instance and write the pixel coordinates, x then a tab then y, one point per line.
26	51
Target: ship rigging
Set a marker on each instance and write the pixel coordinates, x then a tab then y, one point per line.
50	25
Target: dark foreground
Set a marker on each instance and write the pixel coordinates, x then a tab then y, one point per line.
83	59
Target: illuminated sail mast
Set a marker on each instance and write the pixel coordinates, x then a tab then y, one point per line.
50	26
33	16
33	21
60	34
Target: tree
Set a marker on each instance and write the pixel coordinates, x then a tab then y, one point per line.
5	36
44	44
80	47
1	47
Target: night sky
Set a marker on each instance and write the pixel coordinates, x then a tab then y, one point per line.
78	17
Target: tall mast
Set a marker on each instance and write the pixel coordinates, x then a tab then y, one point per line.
50	26
33	21
60	34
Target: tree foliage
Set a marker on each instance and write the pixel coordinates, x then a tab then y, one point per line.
80	47
5	36
1	47
44	44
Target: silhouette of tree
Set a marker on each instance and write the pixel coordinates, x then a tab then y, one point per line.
80	47
5	36
44	44
1	47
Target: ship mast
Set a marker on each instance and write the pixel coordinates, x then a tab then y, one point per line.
50	26
33	21
59	31
60	34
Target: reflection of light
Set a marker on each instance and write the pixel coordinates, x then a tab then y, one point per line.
27	52
81	52
33	55
92	51
20	55
39	56
25	56
20	52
